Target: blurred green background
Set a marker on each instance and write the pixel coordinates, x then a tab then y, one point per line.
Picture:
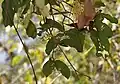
15	68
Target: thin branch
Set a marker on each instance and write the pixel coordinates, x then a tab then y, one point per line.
115	36
26	53
23	46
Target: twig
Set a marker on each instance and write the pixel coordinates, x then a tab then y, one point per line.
63	14
76	72
115	36
67	3
68	61
110	64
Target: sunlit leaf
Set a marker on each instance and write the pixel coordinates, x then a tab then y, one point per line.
44	11
48	68
16	60
28	77
31	30
39	55
63	68
40	3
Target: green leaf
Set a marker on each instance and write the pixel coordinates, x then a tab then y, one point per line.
99	16
98	21
8	13
100	38
48	68
95	39
107	31
31	30
63	68
103	32
65	42
75	39
99	3
51	23
98	24
40	3
104	41
51	45
110	18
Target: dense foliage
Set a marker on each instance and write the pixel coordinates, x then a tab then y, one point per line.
61	41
